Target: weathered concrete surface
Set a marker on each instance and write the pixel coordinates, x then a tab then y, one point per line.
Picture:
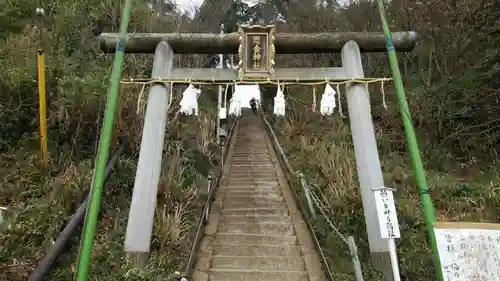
281	74
142	208
285	43
255	230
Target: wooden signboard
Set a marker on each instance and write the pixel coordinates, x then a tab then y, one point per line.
469	251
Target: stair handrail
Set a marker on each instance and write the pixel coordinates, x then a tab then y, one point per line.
312	201
213	184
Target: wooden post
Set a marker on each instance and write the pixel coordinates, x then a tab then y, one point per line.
367	158
42	98
353	250
219	98
142	209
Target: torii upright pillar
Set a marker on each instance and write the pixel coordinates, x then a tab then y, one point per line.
142	208
367	158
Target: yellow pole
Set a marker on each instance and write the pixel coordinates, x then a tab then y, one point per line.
43	108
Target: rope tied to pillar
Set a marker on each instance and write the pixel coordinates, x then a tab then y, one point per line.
235	105
340	101
267	81
141	103
139	100
314	100
382	91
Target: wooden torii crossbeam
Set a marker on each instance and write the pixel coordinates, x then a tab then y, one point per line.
285	43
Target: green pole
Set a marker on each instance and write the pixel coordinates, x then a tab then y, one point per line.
418	167
102	154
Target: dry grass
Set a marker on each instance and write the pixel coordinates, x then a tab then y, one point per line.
327	159
39	204
38	207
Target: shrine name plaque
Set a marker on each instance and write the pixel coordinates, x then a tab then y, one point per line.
256	52
469	251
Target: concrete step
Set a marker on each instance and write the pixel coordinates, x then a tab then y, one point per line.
240	192
251	239
251	154
262	160
266	159
257	228
254	219
252	189
255	212
232	197
255	163
250	205
256	181
255	172
258	263
252	185
256	250
252	178
254	144
256	275
248	165
252	172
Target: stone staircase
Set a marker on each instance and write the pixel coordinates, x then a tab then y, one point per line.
255	231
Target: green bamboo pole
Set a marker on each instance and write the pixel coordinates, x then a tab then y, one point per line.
102	154
418	167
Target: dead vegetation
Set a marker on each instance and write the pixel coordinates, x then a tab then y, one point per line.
451	87
450	80
38	204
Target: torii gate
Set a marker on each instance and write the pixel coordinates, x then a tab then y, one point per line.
255	67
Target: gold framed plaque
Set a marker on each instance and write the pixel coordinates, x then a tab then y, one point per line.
256	51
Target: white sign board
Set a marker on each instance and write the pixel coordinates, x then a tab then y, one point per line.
469	251
222	113
386	212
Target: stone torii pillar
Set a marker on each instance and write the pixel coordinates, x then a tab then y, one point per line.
142	208
367	158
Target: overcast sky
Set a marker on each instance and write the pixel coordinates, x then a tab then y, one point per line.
190	5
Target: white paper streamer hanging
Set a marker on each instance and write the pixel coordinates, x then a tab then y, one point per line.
327	104
235	106
189	101
279	103
223	109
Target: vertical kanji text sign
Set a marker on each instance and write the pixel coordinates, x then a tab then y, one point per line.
386	212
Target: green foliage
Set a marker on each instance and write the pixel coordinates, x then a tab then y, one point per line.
40	203
451	80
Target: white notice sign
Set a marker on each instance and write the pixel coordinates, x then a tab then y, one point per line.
469	251
222	113
386	212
